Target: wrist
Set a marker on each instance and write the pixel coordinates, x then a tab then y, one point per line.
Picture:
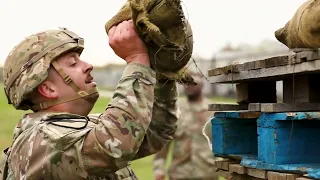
139	58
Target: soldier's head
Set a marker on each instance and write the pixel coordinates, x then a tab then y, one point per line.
193	92
45	73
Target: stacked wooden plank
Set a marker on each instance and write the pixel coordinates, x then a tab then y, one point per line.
231	169
256	83
260	137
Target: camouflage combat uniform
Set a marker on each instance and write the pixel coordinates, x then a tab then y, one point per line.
66	146
139	120
191	156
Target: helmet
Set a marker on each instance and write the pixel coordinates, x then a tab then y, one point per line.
27	64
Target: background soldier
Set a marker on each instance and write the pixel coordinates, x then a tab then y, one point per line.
60	140
191	156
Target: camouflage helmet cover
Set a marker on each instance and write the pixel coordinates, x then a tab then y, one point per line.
27	64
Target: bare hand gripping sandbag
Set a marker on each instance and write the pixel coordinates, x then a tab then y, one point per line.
303	30
168	35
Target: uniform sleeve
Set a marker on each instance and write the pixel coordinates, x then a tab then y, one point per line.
164	117
121	128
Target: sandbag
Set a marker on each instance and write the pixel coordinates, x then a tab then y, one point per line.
303	30
163	27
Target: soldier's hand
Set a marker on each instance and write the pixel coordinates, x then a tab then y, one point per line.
160	177
126	43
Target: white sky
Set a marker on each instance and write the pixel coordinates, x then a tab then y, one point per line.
214	22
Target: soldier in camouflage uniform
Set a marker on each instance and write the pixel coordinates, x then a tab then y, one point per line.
59	140
191	156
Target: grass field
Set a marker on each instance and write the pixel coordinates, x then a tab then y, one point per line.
10	116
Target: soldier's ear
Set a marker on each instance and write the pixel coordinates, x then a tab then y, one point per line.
48	90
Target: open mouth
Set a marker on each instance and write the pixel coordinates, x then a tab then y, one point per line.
90	81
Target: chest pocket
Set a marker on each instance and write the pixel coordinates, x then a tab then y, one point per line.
62	131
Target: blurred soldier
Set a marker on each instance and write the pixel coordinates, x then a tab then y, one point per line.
59	140
191	156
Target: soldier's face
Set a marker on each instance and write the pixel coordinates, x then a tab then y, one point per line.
78	70
80	73
194	91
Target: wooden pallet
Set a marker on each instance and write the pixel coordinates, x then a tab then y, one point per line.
261	137
232	169
274	68
266	107
271	141
256	87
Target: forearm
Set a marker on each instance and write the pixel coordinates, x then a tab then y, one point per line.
164	117
123	125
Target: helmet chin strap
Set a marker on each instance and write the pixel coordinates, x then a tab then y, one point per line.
68	80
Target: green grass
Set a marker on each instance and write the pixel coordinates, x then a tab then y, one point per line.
10	116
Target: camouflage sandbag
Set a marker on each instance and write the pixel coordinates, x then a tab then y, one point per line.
303	30
166	32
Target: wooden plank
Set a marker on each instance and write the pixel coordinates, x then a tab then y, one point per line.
219	162
276	176
227	107
234	176
237	115
307	56
281	176
302	55
270	62
225	165
238	67
273	73
225	70
303	178
293	91
282	61
262	174
214	72
237	168
293	176
254	107
259	64
286	107
297	50
249	66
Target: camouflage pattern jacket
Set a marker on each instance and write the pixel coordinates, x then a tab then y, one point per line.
139	120
191	156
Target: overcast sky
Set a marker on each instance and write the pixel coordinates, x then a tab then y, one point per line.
214	22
